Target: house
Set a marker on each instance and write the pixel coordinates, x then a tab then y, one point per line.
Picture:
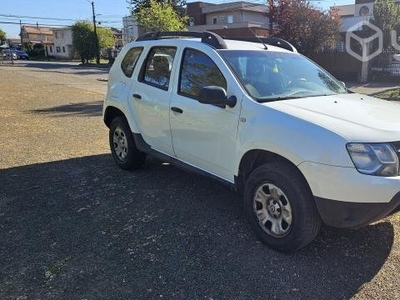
62	44
32	35
234	19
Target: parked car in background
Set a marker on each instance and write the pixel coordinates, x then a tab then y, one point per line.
21	54
390	68
7	54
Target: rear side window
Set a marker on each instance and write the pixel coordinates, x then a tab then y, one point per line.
157	70
198	71
129	62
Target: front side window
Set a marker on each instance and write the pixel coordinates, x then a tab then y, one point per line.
129	62
157	71
198	71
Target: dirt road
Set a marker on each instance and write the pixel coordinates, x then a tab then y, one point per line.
73	226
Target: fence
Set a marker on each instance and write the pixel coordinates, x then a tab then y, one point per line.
386	66
340	64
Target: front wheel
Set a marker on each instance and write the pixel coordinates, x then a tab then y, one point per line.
280	207
123	148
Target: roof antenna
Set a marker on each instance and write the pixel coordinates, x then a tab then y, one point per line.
258	38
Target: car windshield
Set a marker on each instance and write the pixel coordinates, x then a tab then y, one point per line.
270	76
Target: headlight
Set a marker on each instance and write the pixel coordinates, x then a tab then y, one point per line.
374	159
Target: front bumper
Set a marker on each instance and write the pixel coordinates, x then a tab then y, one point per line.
352	215
347	198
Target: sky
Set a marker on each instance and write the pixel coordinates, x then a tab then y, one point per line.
109	13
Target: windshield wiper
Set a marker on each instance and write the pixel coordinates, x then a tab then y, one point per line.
279	98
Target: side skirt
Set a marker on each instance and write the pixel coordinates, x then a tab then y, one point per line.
144	147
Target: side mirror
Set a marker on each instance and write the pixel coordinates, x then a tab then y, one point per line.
216	95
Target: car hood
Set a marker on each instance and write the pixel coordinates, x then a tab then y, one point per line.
356	117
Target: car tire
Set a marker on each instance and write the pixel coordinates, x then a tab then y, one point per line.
280	207
123	148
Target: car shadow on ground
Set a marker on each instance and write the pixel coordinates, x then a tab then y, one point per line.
84	108
84	229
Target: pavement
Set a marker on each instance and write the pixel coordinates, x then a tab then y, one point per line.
371	88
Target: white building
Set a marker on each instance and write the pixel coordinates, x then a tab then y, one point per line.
62	43
131	30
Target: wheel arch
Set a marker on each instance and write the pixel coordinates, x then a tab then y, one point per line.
110	114
255	158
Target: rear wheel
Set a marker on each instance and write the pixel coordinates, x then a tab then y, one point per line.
280	207
123	148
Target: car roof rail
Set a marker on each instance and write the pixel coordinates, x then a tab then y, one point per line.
215	40
272	41
207	37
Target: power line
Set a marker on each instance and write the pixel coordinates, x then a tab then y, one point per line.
31	17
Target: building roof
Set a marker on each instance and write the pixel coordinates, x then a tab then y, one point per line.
38	29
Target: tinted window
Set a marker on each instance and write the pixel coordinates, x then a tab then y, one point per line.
158	67
198	71
129	62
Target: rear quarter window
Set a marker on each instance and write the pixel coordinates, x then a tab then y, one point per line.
129	61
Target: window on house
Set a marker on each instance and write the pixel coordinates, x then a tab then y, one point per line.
63	49
229	19
58	49
51	49
214	20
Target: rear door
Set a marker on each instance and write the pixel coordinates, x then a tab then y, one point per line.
151	95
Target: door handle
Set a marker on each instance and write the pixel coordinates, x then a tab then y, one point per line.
137	96
176	109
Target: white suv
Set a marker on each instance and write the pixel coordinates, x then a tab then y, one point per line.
299	147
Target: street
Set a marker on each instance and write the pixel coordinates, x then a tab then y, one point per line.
74	226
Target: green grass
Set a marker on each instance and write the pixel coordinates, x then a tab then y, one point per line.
392	94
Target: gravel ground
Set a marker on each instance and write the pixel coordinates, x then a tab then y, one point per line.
73	226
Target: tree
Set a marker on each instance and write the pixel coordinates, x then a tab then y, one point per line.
386	17
106	37
84	42
139	4
3	36
308	28
159	17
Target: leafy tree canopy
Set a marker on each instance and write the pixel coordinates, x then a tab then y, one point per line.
386	17
386	14
3	35
308	28
159	17
139	4
106	37
84	41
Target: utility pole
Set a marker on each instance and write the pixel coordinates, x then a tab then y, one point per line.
96	39
20	34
